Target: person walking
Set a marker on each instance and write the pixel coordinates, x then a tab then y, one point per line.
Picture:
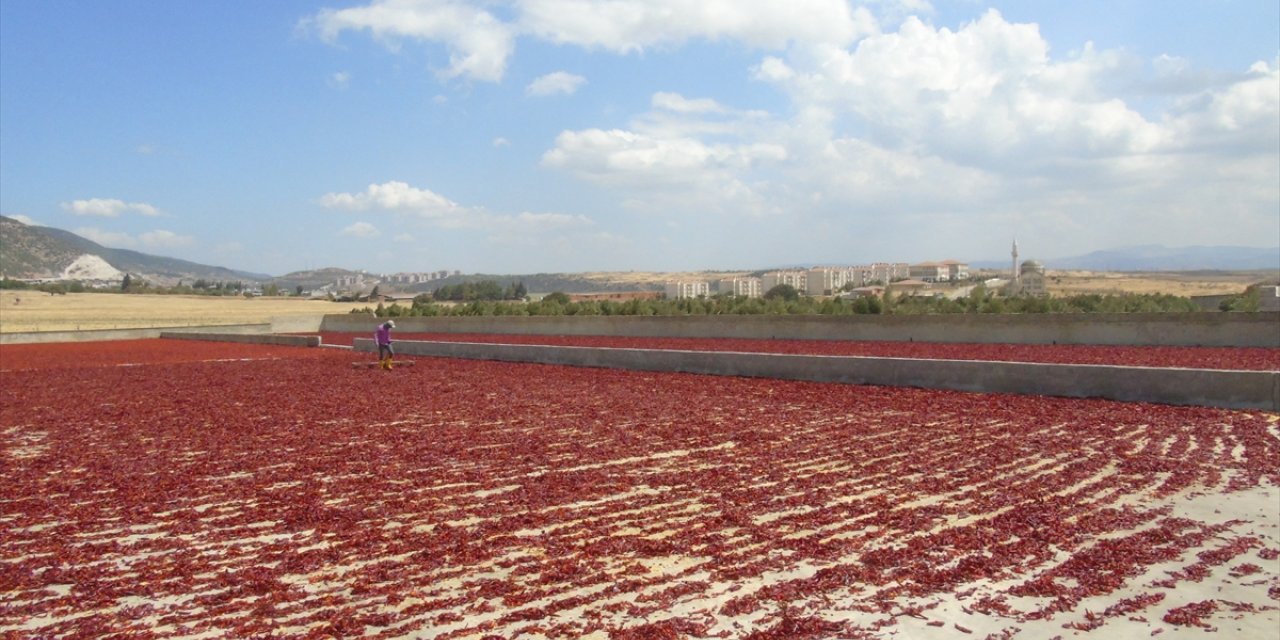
383	338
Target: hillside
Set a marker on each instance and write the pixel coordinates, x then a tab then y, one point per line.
45	252
312	278
1154	257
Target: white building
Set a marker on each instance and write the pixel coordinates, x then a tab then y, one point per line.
825	281
887	272
795	278
749	287
930	272
687	289
956	270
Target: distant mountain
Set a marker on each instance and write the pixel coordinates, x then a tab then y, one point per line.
28	251
1154	257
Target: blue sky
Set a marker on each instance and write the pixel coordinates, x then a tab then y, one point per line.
521	136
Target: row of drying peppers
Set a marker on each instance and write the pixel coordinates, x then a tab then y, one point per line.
1241	358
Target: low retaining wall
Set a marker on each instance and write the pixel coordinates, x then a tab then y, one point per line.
262	338
1200	387
1139	329
296	324
99	335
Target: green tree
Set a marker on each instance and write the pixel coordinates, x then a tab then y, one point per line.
784	292
126	283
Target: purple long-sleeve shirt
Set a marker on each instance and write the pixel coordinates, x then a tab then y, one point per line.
382	335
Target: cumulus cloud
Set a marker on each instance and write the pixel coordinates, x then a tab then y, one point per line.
27	220
625	26
157	239
427	206
558	82
479	43
980	122
360	230
679	104
108	208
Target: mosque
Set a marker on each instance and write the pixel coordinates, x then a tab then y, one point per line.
1026	279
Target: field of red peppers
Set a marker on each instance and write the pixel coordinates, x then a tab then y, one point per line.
210	490
1242	358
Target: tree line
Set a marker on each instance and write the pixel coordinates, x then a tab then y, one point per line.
780	303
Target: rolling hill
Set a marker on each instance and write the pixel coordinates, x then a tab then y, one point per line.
28	251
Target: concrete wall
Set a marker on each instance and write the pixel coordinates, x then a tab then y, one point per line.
1229	389
1169	329
296	324
98	335
260	338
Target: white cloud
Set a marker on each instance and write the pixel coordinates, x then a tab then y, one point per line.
500	142
625	26
339	80
157	239
436	210
396	196
108	208
162	239
27	220
361	230
558	82
479	44
114	239
679	104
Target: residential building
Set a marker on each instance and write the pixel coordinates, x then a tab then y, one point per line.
687	289
887	272
956	270
825	281
749	287
795	278
930	272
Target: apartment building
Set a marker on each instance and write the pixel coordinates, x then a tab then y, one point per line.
825	281
795	278
886	272
687	289
749	287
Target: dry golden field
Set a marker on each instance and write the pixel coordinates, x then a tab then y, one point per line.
1178	283
38	311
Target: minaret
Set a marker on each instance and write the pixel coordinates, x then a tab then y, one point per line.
1013	271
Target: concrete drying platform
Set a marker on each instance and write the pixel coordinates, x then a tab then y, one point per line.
1199	387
